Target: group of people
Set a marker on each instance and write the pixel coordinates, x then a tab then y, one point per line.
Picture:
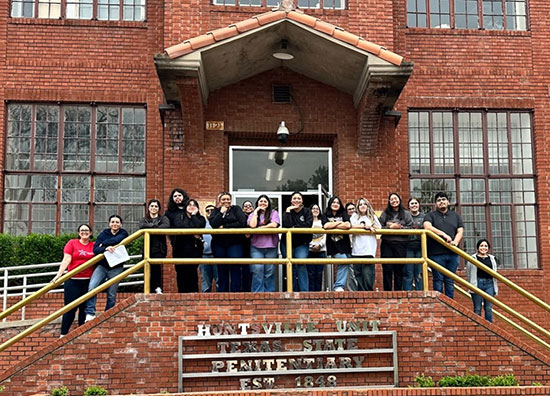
183	212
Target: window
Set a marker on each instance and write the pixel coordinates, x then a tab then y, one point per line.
468	14
73	164
324	4
103	10
484	159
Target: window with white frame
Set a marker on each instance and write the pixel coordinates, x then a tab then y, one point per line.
484	160
103	10
304	4
72	164
468	14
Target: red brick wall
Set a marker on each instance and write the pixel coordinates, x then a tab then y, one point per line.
134	345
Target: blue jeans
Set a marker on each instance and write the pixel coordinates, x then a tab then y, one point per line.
413	272
342	272
449	262
315	272
209	273
263	275
365	274
228	270
299	271
102	274
488	287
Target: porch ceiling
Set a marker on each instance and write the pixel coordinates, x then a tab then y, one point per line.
317	55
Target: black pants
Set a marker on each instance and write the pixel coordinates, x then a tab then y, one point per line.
156	272
186	274
74	288
393	273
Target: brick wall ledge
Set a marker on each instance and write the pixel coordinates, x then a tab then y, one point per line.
24	323
485	391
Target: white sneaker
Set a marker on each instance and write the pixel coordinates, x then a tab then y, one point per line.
158	290
61	335
339	289
89	317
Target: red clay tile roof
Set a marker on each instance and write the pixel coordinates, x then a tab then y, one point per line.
272	16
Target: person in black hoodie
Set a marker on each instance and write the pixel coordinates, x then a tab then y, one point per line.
228	246
106	241
186	215
298	216
157	245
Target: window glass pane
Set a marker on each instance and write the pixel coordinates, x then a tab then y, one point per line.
134	10
470	135
49	9
131	215
493	15
497	143
75	189
45	142
108	10
522	151
101	216
107	138
426	189
35	188
279	170
16	219
79	9
119	189
443	144
475	226
43	219
133	140
18	151
501	226
77	138
439	14
419	142
74	215
22	8
472	190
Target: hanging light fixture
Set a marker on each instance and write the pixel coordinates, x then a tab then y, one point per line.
283	53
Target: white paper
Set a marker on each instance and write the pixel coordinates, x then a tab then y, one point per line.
120	255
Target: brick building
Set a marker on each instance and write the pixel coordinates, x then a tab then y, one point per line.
105	105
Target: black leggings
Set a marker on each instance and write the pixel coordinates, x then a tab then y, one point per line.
74	288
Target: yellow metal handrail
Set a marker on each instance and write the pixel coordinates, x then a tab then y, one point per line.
288	262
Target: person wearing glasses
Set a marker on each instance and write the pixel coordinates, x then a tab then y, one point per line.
157	246
76	252
448	225
209	272
106	241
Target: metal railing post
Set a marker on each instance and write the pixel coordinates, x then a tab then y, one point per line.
5	293
24	295
424	250
147	266
289	275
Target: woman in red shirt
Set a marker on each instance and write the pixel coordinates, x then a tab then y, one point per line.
76	253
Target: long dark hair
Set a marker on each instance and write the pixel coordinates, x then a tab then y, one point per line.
340	211
172	206
147	214
267	214
389	209
192	201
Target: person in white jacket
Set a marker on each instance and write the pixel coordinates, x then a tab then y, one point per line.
483	280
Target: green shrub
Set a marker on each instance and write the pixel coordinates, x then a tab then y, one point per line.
95	391
2	388
504	380
470	380
536	383
422	381
63	391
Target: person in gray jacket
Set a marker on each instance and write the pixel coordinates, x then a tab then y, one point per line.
483	280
